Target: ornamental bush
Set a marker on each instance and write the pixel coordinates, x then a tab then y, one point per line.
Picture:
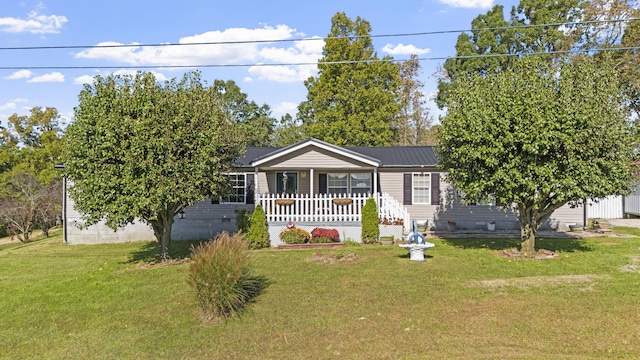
370	229
221	276
243	221
295	235
320	235
258	235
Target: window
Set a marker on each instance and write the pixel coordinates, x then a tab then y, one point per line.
287	182
337	183
238	189
344	183
360	183
421	188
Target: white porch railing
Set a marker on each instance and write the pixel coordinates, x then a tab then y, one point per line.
390	208
327	207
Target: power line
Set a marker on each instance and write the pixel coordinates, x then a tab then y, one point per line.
238	42
463	57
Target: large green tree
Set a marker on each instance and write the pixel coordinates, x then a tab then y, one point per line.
414	120
611	24
140	149
538	136
253	122
32	144
479	52
354	98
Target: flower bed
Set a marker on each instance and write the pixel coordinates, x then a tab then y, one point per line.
294	235
321	235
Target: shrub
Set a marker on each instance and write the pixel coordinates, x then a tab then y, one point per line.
258	235
3	230
243	221
295	235
221	277
320	235
370	229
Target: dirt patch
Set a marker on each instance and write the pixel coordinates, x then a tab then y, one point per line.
633	267
541	254
586	281
333	258
163	264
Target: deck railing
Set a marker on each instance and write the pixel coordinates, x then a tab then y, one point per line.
327	207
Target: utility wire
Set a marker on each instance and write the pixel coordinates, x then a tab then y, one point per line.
462	57
237	42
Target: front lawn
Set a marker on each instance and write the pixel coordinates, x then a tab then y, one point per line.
465	301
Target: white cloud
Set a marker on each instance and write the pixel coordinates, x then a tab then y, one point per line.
88	79
51	77
20	74
285	107
402	49
194	54
308	51
84	79
483	4
35	23
12	104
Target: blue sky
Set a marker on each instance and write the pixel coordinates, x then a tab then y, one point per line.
63	23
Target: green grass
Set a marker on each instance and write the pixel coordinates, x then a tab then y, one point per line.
464	301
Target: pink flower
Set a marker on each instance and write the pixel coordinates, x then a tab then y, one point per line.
290	225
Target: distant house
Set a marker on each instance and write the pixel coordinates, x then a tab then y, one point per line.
316	184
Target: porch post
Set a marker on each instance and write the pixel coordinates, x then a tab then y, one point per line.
257	187
375	181
311	182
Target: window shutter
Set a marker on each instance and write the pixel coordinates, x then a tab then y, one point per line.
322	183
408	191
250	189
435	189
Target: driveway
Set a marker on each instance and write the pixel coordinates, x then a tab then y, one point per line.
635	222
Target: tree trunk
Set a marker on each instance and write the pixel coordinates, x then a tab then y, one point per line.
528	239
162	231
528	227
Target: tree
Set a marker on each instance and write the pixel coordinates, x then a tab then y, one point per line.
354	98
288	132
492	35
538	136
253	121
37	138
139	149
609	25
414	120
26	204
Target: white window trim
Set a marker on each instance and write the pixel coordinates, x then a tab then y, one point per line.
413	188
349	188
221	198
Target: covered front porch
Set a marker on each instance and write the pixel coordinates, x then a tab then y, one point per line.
330	208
